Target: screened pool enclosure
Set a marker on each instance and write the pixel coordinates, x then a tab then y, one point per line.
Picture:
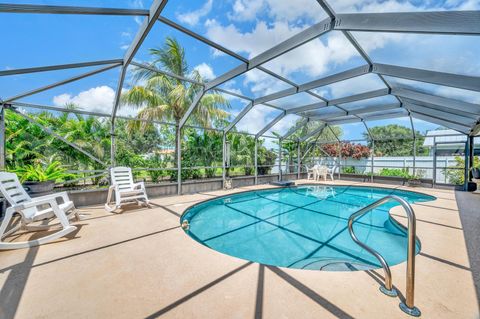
376	93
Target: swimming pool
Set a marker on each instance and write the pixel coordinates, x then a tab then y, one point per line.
302	227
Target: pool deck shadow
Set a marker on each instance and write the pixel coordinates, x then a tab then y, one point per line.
140	264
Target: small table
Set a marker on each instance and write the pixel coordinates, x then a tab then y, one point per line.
320	171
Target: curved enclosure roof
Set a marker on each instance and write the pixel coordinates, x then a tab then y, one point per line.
280	64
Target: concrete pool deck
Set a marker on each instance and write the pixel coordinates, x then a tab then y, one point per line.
140	264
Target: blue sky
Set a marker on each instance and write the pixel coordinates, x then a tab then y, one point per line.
247	27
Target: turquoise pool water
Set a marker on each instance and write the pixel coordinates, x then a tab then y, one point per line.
302	227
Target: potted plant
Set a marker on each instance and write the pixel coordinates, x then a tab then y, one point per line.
40	178
414	180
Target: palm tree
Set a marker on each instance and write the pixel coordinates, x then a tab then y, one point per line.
163	98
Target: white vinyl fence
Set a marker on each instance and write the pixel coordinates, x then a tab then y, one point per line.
423	165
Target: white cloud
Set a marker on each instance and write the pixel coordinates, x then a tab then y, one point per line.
136	4
97	99
248	10
193	17
256	119
205	70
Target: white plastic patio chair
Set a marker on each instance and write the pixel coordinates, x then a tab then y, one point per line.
310	172
331	171
126	191
28	208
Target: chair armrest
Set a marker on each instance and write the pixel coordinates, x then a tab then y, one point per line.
139	184
62	195
36	202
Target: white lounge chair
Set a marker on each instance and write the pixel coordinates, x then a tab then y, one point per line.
28	208
126	191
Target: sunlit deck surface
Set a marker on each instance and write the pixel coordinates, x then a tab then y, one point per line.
140	264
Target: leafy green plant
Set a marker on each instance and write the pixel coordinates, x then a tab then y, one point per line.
40	173
348	170
156	175
394	172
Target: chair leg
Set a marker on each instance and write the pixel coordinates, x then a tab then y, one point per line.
36	242
6	221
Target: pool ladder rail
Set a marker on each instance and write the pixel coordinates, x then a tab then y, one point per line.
388	289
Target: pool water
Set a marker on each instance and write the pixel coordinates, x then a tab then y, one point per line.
302	227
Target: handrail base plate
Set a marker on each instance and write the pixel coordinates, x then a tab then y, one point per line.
415	312
391	293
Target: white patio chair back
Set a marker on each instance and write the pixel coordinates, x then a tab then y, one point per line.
14	192
122	176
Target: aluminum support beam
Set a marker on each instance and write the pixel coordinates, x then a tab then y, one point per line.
182	78
341	76
256	161
154	12
370	118
333	132
49	131
280	177
179	161
241	96
308	107
431	119
345	75
295	128
441	78
276	95
360	97
175	76
239	117
2	138
365	110
466	121
118	94
433	99
224	159
466	172
58	67
242	68
281	48
271	124
299	162
53	85
440	22
295	41
223	49
315	132
191	108
31	8
76	111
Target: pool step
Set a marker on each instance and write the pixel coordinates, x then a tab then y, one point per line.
332	265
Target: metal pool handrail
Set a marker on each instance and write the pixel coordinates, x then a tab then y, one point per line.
408	307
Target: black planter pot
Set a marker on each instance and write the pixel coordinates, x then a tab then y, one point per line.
476	173
39	187
414	182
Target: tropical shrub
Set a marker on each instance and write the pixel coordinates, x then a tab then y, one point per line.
351	150
53	171
395	172
348	170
